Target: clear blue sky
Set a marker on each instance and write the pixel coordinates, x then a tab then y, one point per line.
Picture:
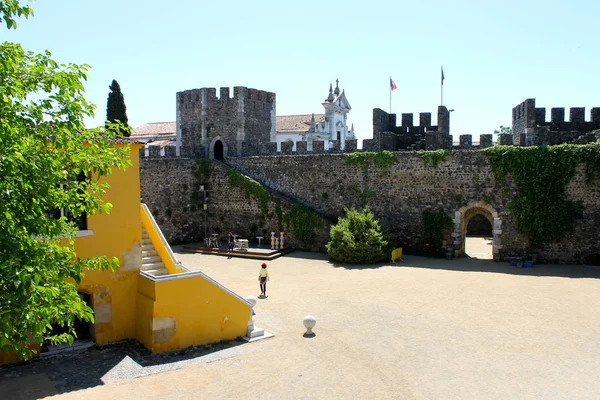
495	55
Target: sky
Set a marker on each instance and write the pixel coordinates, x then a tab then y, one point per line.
494	54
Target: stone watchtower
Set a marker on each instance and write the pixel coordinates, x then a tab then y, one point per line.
530	127
211	127
408	136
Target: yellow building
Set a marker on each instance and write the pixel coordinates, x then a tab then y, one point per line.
160	303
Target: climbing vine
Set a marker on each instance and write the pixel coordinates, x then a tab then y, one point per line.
435	223
279	214
541	175
364	196
303	222
433	157
201	173
382	160
251	188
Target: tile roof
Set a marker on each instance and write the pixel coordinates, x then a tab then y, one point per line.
167	130
297	123
155	130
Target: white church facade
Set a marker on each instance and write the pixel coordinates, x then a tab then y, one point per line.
332	125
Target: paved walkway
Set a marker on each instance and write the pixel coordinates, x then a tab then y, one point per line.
421	329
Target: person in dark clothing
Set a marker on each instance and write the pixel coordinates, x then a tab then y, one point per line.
230	241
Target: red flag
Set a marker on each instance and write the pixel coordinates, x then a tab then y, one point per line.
392	84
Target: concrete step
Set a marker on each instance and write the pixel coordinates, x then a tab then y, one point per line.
154	265
146	241
256	332
148	251
146	259
157	272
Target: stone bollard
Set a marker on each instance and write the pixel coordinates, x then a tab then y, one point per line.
309	323
281	240
272	240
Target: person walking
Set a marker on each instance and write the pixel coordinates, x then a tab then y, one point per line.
230	241
263	277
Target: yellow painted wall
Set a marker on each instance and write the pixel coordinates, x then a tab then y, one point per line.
193	310
117	234
145	310
129	305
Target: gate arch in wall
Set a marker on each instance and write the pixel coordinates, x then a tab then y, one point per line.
462	218
217	150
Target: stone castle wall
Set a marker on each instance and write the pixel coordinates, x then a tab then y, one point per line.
170	188
325	183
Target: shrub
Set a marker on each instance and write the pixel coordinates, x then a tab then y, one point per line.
357	238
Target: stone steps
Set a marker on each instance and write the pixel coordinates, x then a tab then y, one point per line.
151	261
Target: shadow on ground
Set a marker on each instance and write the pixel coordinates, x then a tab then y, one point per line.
468	264
75	371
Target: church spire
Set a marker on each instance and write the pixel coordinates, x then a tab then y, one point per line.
330	97
337	89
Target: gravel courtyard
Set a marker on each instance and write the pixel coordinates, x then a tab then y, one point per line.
420	329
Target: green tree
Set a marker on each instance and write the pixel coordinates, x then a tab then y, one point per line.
504	130
357	238
44	147
116	111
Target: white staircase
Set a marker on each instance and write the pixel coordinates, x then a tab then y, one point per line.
151	262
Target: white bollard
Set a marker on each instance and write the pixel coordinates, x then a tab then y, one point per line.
309	323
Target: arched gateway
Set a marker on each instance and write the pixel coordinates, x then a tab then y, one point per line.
217	149
475	212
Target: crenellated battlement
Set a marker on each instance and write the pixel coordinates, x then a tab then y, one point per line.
209	95
530	126
409	136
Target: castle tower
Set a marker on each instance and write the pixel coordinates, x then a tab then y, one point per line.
211	127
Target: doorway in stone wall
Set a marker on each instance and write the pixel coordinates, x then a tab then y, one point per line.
478	237
218	150
478	231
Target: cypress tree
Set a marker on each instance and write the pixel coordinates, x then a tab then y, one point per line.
115	107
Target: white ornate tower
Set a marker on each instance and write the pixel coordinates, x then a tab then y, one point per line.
336	112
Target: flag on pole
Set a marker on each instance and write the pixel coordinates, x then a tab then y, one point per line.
442	76
392	84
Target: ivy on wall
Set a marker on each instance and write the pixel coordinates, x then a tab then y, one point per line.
303	222
382	160
541	175
435	223
433	157
251	188
201	173
279	214
300	219
364	197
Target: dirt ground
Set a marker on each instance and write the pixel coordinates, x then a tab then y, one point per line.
420	329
